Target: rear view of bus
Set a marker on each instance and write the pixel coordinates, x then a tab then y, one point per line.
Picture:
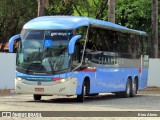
66	55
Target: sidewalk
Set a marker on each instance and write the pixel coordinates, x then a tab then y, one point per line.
152	89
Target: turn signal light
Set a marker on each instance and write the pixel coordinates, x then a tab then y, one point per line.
56	79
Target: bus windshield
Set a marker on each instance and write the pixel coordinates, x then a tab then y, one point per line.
41	51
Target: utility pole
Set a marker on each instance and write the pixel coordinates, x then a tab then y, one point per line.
154	27
111	10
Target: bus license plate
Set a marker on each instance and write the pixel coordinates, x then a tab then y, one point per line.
39	89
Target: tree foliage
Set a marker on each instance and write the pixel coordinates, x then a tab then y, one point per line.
134	14
13	15
90	8
59	7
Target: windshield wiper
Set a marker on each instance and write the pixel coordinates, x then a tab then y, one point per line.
33	58
35	55
45	53
50	63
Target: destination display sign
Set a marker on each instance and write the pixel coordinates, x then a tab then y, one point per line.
58	35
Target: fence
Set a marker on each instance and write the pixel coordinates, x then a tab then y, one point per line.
7	71
154	72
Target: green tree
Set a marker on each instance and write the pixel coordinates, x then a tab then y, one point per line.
134	14
13	15
90	8
59	7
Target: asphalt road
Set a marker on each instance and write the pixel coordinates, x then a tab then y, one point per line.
143	101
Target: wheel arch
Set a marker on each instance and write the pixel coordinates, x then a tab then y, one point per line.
87	83
129	78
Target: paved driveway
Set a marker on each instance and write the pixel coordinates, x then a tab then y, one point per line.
144	101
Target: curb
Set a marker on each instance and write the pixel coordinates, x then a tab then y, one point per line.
152	89
5	92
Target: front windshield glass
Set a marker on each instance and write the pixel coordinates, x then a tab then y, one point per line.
42	51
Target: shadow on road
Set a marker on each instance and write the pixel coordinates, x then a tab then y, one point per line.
72	100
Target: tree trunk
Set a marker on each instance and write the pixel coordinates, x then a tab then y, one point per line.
111	10
154	27
46	3
42	4
66	1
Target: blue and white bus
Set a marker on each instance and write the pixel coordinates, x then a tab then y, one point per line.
69	55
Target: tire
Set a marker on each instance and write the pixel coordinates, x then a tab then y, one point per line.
80	98
134	89
37	97
127	92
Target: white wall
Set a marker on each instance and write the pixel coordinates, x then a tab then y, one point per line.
8	61
154	73
7	70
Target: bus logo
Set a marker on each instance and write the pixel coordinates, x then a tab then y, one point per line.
39	83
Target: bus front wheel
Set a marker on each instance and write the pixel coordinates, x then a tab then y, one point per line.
37	97
80	98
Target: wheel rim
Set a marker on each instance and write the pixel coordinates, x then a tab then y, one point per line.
80	97
128	88
84	90
134	88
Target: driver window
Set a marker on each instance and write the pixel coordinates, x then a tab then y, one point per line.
76	55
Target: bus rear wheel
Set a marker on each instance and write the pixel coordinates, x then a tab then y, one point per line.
134	89
80	98
127	92
37	97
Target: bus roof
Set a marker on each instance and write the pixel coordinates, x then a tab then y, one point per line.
73	22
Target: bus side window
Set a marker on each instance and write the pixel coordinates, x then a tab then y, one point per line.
145	45
140	43
134	44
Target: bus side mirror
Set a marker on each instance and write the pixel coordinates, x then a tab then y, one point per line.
72	43
11	42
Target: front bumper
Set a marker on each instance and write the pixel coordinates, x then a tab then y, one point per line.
65	87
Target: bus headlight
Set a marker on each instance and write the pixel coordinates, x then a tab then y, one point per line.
63	80
19	79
